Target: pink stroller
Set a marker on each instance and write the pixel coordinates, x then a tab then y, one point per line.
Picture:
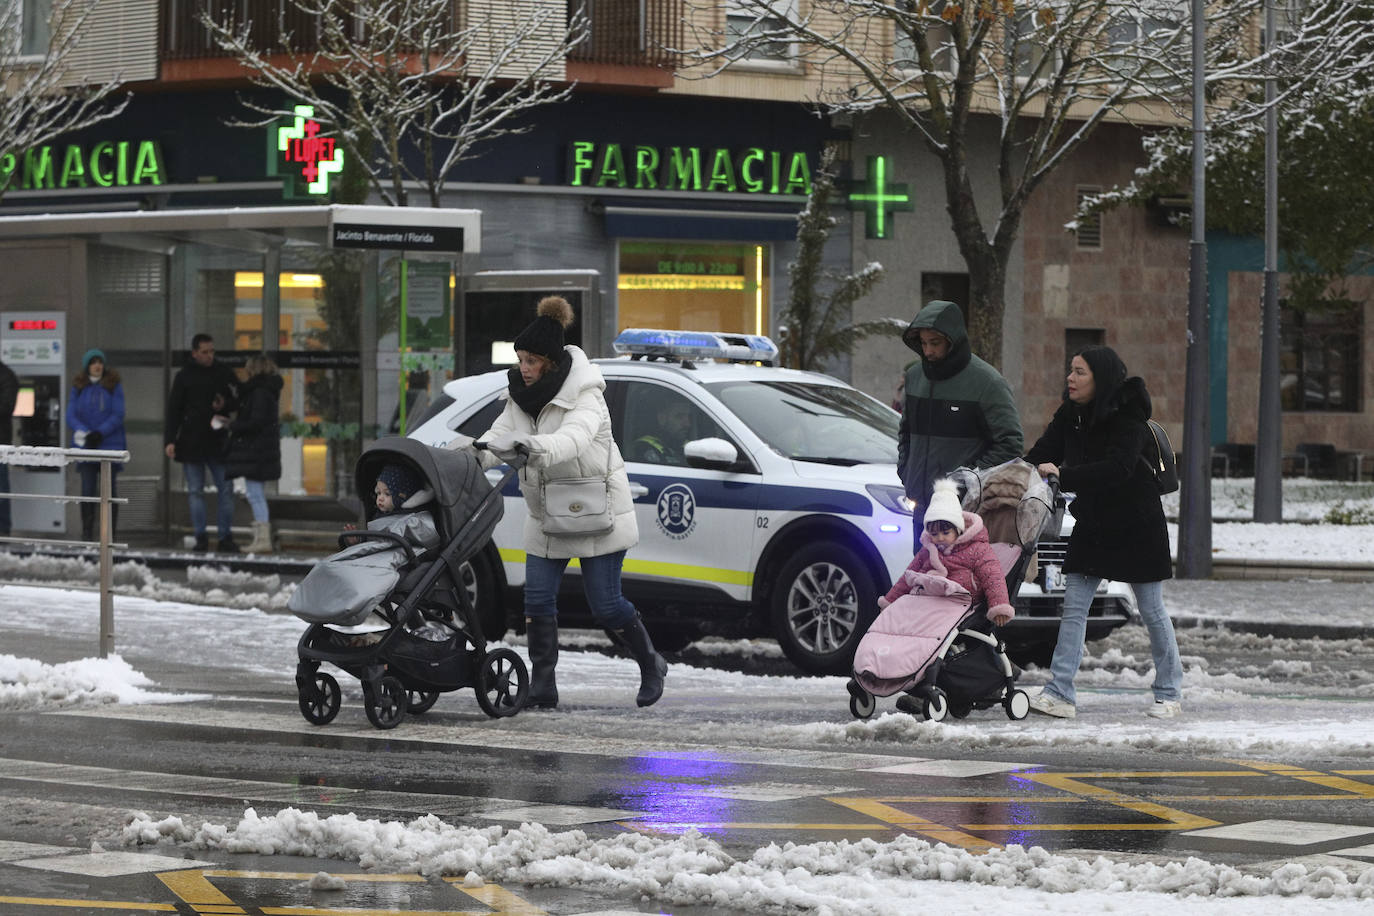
935	643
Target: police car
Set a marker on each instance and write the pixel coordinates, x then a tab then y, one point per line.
767	499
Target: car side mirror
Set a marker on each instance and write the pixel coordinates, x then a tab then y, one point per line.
713	454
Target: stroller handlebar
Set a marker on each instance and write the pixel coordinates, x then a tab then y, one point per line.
521	458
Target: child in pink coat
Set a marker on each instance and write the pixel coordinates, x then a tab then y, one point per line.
955	545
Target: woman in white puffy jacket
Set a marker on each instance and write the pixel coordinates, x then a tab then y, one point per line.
555	409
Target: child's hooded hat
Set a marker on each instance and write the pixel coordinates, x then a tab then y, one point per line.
944	505
401	481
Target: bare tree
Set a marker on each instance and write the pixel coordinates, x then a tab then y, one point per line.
42	96
1047	72
409	87
816	321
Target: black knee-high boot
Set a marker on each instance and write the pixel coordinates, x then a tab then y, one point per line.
88	511
542	636
652	668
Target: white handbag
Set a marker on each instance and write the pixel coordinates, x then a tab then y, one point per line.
579	505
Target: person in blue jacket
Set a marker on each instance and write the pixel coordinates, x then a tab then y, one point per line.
96	416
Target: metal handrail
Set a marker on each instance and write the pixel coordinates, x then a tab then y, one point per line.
42	456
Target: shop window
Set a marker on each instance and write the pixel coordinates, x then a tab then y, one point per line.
1320	357
694	286
746	19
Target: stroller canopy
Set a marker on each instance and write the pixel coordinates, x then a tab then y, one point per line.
455	477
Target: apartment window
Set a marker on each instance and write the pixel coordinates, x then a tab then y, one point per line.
1027	47
1155	33
744	20
34	30
1319	357
1089	230
1075	339
947	286
939	41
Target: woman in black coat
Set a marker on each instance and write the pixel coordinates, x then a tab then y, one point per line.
255	443
1095	444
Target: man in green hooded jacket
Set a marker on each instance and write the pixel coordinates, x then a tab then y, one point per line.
957	410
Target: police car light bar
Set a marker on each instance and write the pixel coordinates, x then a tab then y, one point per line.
639	342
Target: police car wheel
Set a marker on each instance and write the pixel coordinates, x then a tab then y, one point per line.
821	607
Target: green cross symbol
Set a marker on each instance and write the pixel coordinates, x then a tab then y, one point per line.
878	199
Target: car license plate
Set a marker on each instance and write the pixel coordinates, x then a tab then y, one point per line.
1054	578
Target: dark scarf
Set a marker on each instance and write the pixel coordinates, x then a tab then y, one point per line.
533	398
954	362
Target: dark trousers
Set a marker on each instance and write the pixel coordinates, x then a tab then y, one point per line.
90	486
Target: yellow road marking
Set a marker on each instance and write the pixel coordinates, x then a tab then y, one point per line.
90	904
306	876
500	899
193	888
1354	787
353	911
1072	782
879	810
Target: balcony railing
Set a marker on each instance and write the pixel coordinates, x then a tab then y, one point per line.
623	32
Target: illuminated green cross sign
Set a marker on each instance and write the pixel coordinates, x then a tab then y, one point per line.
879	199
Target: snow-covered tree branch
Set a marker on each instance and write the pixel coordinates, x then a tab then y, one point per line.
410	87
1049	71
42	96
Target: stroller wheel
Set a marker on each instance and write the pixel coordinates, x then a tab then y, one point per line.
1017	704
321	704
862	706
504	684
385	706
418	701
936	705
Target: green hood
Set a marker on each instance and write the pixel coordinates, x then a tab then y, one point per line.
945	317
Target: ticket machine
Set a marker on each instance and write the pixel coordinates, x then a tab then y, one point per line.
34	346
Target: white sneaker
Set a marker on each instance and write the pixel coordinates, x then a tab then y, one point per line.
1165	709
1051	705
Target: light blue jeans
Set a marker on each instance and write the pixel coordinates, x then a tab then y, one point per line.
1068	651
195	495
600	583
257	498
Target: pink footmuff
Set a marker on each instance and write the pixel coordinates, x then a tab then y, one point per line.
895	651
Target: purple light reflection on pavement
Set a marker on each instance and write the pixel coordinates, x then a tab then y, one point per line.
677	800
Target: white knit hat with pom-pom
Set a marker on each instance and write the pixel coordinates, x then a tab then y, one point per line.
944	505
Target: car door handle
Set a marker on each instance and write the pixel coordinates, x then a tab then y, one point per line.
637	490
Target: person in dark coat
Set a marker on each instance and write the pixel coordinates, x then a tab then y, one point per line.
255	443
1095	445
96	415
958	411
9	394
202	399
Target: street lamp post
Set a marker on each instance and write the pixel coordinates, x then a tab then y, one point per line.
1195	498
1269	436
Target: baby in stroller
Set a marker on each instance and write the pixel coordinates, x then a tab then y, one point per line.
933	639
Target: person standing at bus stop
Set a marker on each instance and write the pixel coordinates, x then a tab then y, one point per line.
96	417
202	399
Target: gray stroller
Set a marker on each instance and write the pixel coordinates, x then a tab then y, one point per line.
403	572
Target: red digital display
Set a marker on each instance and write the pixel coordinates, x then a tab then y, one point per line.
46	324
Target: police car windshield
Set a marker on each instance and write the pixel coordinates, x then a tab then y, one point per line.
825	423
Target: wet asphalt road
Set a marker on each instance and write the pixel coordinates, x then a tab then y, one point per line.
69	779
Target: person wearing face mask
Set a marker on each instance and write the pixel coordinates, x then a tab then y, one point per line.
96	417
555	410
1095	445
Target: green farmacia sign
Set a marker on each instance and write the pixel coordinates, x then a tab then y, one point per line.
107	164
753	170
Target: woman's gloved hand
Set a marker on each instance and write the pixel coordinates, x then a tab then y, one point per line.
93	439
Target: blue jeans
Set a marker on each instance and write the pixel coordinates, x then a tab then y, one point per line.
195	494
257	498
1068	651
600	583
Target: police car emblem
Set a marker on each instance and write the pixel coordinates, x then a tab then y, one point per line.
677	511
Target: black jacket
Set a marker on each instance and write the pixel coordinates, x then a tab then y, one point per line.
1119	529
255	434
189	411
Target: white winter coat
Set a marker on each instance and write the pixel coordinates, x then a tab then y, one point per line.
569	439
